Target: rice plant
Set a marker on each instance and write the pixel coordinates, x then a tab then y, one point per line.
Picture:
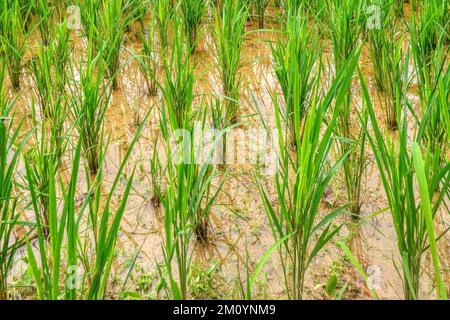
45	14
431	19
49	69
345	27
260	8
295	58
14	41
62	254
42	156
412	217
187	201
434	108
193	12
228	31
380	38
301	181
10	149
138	10
113	23
149	58
354	166
91	98
90	20
163	13
178	85
388	57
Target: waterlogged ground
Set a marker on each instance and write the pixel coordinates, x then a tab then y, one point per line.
239	229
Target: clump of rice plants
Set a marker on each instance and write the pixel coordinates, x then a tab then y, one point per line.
63	253
388	58
113	23
14	40
42	156
260	9
90	102
434	102
149	58
295	58
163	13
90	21
412	217
354	166
138	10
193	12
228	31
379	38
345	28
187	201
301	181
178	85
10	149
49	70
45	14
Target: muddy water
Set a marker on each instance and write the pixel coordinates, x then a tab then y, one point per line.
239	227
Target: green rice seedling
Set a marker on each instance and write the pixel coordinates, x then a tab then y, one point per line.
228	31
260	9
422	172
42	74
43	155
157	178
56	277
412	216
149	58
345	27
47	275
113	23
163	11
432	19
49	70
193	13
301	181
45	14
294	59
178	85
219	121
395	80
10	151
187	201
90	20
354	166
91	98
434	99
423	40
14	41
380	41
388	58
397	6
60	10
138	9
105	223
26	8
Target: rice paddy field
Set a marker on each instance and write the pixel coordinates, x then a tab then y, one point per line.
224	149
